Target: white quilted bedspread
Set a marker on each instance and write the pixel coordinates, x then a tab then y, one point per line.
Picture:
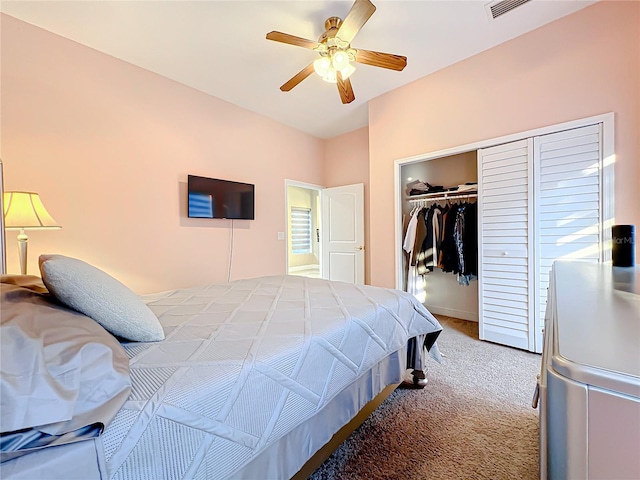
244	363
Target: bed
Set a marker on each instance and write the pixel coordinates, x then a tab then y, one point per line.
251	380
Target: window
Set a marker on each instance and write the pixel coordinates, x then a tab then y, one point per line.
300	230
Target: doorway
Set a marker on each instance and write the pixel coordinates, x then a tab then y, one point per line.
325	231
303	229
440	290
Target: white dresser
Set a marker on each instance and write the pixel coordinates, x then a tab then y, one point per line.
590	381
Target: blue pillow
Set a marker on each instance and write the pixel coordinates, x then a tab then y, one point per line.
98	295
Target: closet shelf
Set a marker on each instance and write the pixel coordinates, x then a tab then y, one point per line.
443	195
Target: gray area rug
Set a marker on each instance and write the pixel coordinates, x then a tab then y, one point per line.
473	420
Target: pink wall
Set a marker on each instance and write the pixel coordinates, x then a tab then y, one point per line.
347	162
109	145
582	65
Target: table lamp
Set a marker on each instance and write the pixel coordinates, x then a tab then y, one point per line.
24	211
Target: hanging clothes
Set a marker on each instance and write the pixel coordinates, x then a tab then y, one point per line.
470	240
414	234
437	234
421	235
410	234
428	259
442	237
448	253
466	244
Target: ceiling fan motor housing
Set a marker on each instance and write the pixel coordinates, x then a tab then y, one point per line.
332	24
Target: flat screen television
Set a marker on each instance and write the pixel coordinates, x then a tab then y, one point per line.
215	198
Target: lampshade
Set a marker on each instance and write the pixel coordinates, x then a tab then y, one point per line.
340	60
25	210
331	76
321	66
347	71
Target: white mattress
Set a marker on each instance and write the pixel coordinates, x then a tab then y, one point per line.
246	372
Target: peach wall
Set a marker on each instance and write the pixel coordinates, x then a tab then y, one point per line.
579	66
347	162
109	145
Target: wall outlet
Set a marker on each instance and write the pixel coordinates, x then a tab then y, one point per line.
280	235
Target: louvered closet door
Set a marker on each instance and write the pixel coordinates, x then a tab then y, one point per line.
568	181
505	279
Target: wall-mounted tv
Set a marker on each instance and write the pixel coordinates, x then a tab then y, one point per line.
215	198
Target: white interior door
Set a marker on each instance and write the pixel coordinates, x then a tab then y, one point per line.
541	200
569	214
342	233
505	256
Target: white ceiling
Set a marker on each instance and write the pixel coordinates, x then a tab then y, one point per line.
219	47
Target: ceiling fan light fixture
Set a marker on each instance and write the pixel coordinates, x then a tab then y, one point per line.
322	66
340	60
347	71
331	76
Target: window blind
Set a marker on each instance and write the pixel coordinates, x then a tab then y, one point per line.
300	230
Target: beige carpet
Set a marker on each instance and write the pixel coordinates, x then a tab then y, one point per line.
472	421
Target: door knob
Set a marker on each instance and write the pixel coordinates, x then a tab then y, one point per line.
361	247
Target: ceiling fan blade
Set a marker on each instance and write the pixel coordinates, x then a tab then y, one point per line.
355	19
345	89
378	59
291	40
297	78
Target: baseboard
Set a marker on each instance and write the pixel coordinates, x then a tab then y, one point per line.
452	312
304	267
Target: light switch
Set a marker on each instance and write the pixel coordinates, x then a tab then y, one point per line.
280	235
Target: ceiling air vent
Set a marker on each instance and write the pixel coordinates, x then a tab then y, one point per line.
500	7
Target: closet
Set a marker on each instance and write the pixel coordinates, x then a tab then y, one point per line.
544	196
440	290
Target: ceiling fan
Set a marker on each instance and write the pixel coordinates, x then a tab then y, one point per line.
334	48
